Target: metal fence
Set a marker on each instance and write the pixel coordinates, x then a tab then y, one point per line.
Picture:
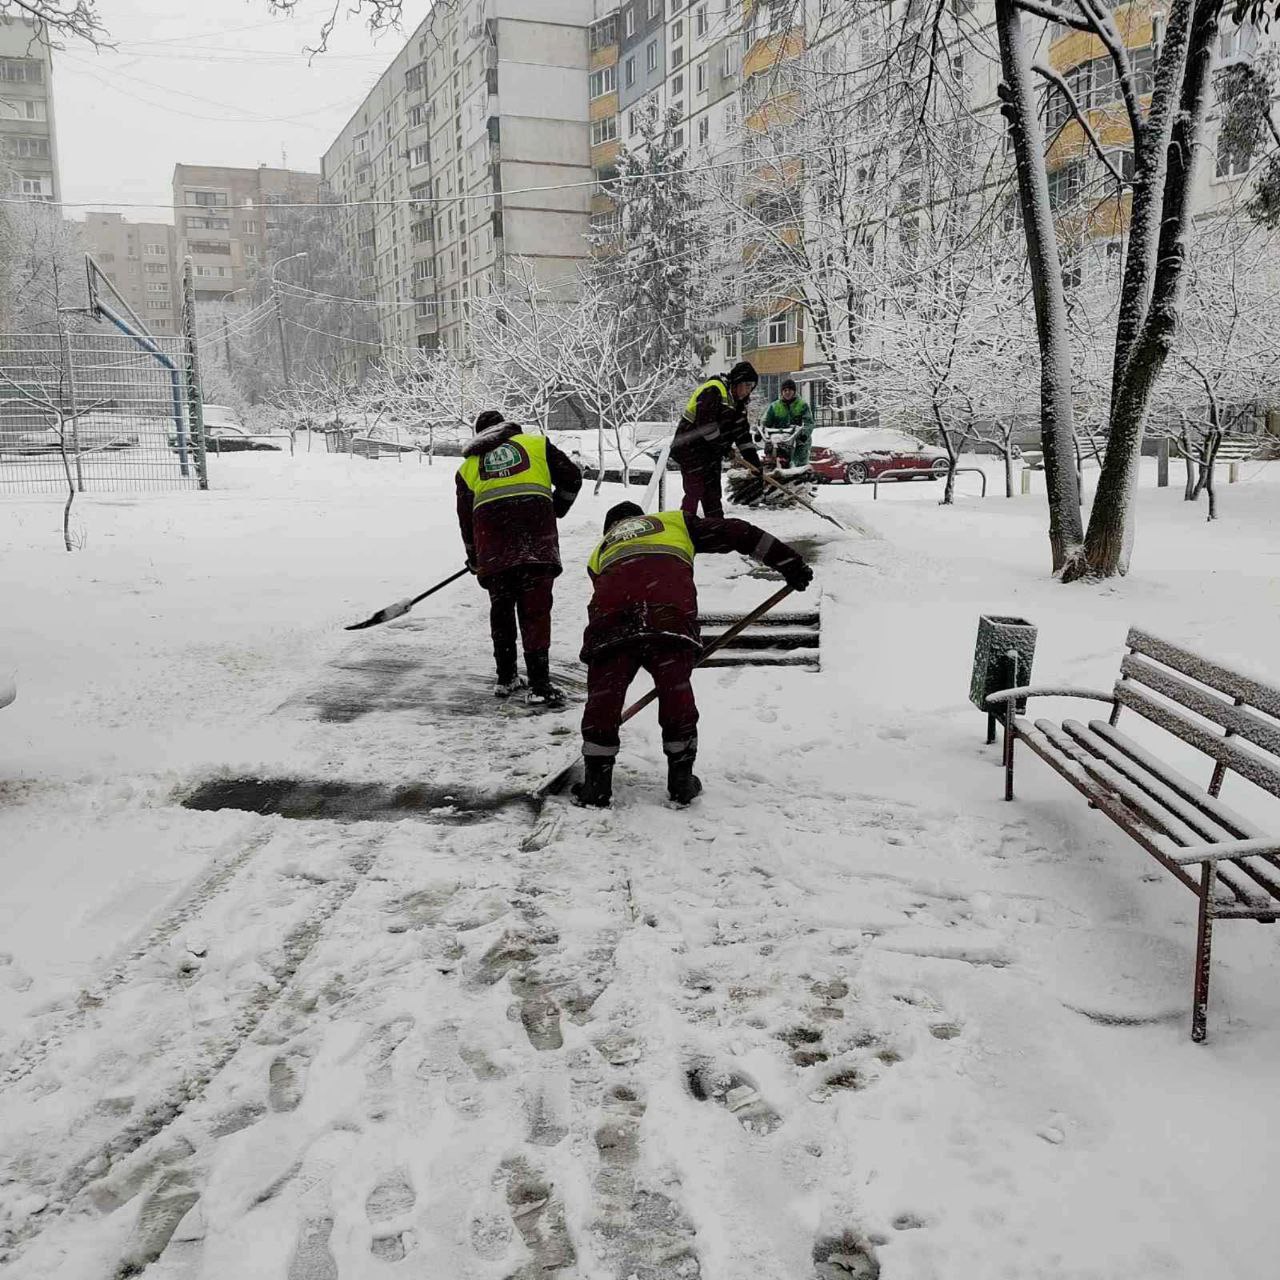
101	409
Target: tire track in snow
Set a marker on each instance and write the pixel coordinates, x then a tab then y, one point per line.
173	1100
70	1018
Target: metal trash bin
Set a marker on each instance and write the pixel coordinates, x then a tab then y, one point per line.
1002	659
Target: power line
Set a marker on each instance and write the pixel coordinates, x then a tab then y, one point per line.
324	333
337	297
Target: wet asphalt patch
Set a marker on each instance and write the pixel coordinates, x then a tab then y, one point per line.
311	800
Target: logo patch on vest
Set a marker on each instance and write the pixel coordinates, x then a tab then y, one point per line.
506	460
632	527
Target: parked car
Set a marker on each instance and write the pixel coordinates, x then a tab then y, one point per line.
854	455
93	433
225	433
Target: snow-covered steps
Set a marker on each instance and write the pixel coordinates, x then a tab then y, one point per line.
776	640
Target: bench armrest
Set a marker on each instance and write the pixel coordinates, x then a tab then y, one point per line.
1228	850
1045	691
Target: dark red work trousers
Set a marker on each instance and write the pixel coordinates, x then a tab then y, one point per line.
702	485
610	675
523	595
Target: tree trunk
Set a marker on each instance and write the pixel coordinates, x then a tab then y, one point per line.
1109	540
1008	471
1191	489
1213	494
1021	109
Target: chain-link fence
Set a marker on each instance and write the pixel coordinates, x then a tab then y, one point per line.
98	408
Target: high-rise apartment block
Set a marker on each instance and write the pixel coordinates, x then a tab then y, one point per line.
471	148
28	140
139	259
222	216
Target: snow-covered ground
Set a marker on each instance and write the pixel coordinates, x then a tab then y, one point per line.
849	1015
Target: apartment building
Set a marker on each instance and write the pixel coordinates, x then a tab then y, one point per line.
139	258
471	149
28	138
222	216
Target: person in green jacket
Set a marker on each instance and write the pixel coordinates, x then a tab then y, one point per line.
788	422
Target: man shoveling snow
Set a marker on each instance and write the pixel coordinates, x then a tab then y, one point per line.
644	614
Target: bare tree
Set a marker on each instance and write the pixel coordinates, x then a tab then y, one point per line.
1165	135
60	19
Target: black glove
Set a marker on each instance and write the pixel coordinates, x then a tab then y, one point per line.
798	575
471	564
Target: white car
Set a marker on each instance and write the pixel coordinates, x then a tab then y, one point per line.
90	434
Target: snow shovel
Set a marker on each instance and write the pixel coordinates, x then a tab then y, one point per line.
795	497
401	607
556	780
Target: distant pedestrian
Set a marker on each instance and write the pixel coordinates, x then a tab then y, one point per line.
788	425
713	423
511	490
644	614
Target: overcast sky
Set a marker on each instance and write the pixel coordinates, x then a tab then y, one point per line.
205	82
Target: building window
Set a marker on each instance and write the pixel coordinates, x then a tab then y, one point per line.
607	225
605	176
158	288
629	22
219	248
605	130
604	33
1237	45
30	148
677	30
415	78
202	270
153	268
424	270
700	24
1066	185
780	331
677	84
704	131
700	76
732	345
1233	161
157	306
677	139
420	155
629	72
602	82
633	123
207	224
251	227
32	184
651	56
207	199
730	60
22	70
417	116
655	9
677	56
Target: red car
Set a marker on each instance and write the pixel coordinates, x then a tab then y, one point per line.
854	455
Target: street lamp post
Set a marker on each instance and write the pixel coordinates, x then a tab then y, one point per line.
275	298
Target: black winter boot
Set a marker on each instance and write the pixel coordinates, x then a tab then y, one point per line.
596	788
683	786
542	693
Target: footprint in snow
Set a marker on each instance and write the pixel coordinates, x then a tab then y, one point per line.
539	1218
390	1199
737	1093
158	1219
844	1257
312	1258
286	1081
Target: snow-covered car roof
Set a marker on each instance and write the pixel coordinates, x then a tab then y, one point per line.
864	440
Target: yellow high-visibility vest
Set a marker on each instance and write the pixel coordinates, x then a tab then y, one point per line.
691	409
517	468
663	534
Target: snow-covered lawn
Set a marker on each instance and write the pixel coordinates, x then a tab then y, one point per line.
851	1006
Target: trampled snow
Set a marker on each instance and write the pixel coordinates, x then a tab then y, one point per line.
849	1012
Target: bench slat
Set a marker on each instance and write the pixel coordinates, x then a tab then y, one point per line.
1260	772
1205	825
1263	871
1168	828
1098	795
1251	727
1257	694
1239	827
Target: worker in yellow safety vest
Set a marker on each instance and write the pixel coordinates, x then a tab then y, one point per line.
713	423
512	487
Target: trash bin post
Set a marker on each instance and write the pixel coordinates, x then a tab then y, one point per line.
1002	659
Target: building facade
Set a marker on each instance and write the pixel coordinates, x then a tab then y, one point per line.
140	259
471	149
222	217
28	137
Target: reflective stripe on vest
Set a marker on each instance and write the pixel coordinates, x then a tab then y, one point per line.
691	409
662	534
517	468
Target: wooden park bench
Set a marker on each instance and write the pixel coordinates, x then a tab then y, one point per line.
1228	861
